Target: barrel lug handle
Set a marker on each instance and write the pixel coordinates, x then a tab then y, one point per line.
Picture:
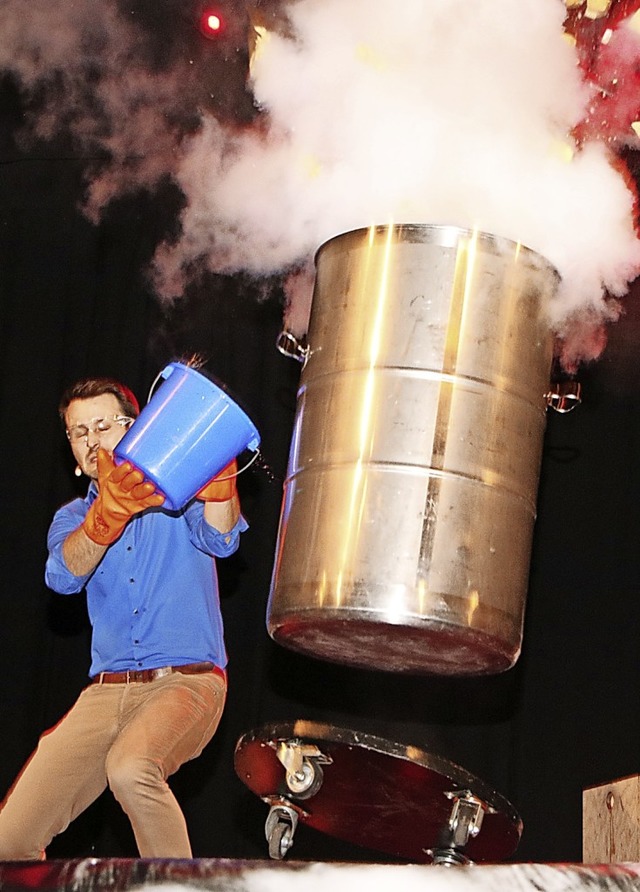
295	348
563	396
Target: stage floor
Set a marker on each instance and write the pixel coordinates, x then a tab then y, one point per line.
93	874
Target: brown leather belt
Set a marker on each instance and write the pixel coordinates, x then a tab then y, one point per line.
144	675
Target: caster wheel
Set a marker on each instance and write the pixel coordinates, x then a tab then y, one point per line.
306	782
280	841
280	828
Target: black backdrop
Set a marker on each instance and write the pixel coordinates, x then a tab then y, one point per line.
74	302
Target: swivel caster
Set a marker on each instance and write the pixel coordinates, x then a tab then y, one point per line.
303	767
279	830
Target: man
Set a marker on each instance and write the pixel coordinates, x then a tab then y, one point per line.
158	681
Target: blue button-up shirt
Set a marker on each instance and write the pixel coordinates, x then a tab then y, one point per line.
153	598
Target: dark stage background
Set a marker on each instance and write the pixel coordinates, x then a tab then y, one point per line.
73	302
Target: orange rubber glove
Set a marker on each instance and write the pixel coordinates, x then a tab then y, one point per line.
122	493
222	487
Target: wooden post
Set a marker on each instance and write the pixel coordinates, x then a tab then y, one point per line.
611	822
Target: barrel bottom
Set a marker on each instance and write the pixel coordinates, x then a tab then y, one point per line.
429	646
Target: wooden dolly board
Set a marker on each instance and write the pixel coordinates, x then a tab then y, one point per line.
363	789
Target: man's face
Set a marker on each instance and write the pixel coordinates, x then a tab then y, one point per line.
83	419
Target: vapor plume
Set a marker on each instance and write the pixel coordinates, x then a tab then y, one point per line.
365	113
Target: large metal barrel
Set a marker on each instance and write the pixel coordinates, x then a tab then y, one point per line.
410	496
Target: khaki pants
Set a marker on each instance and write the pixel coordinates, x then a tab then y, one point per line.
130	737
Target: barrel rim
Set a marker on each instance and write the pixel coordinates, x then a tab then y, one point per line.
444	235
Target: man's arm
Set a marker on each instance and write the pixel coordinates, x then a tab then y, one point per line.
223	516
81	554
122	492
221	502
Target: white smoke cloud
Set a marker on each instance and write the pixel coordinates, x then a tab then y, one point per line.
442	112
86	71
446	112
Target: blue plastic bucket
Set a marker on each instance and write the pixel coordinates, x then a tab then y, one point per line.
186	434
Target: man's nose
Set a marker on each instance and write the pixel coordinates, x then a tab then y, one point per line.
93	439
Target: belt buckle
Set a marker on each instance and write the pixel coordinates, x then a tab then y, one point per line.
128	677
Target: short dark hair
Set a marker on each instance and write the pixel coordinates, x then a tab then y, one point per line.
90	387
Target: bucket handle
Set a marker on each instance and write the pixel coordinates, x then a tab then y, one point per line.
167	371
163	373
241	470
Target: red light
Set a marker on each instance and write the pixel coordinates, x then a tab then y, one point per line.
211	24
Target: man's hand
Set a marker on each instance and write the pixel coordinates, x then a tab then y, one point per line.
222	487
122	493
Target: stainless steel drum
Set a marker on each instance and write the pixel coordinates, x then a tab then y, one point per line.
410	496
